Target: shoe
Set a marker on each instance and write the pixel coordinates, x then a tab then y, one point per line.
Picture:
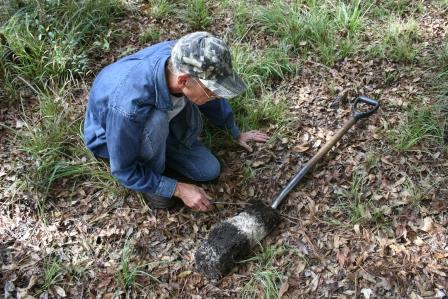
159	202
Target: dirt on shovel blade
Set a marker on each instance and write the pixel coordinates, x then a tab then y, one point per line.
231	240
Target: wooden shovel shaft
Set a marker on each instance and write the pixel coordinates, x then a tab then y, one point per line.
309	165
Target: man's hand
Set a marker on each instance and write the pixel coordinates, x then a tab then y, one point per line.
193	196
256	136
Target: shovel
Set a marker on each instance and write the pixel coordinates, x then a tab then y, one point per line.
231	240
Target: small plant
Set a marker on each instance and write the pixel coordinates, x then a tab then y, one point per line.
349	16
371	159
412	192
258	67
399	41
129	272
151	35
248	174
354	205
266	277
330	31
242	19
357	186
440	82
160	8
422	124
52	274
48	41
196	14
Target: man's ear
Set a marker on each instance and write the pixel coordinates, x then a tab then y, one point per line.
182	79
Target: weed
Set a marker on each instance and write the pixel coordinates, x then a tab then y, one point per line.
353	204
242	19
328	30
248	174
49	40
440	82
397	7
52	274
349	16
196	14
128	272
371	159
266	277
257	67
399	41
151	35
413	193
357	186
391	77
421	124
160	8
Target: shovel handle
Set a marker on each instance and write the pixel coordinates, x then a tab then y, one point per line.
363	99
356	115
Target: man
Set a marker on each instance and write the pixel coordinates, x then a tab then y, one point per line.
143	115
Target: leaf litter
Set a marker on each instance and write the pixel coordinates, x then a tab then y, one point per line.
376	243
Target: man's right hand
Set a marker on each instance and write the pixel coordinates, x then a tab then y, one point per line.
193	197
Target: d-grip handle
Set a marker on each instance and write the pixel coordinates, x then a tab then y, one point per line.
363	99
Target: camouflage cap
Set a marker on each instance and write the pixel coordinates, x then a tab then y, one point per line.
207	57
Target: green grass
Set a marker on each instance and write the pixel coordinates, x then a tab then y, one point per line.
266	278
357	186
355	206
159	9
259	67
196	14
385	8
371	159
52	274
128	272
328	28
413	192
422	125
440	81
48	41
399	41
55	144
242	17
150	36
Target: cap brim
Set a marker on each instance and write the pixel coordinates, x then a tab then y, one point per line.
226	87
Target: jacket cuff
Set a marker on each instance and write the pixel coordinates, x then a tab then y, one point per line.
166	187
235	132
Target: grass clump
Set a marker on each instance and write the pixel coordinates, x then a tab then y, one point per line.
396	7
257	67
355	206
196	14
52	274
128	272
266	278
329	29
423	124
159	9
48	41
55	144
150	36
399	41
440	82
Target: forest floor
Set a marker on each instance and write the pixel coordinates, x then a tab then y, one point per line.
370	221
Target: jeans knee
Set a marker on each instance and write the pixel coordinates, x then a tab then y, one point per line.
209	170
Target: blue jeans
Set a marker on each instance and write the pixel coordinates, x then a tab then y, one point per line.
196	162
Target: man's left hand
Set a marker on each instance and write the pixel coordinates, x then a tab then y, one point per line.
256	136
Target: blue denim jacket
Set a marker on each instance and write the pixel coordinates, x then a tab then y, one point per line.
122	98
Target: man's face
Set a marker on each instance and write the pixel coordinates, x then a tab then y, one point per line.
196	92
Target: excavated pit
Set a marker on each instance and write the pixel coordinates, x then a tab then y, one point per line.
231	240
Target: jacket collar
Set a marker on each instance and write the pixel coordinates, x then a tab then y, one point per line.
163	98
